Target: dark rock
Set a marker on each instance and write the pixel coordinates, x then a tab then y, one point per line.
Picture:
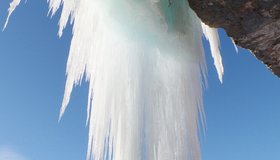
253	24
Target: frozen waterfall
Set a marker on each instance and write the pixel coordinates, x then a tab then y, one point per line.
145	66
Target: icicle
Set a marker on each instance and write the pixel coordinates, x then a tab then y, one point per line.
11	9
144	76
212	35
235	46
144	62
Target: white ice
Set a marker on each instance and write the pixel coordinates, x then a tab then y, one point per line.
213	37
145	66
11	9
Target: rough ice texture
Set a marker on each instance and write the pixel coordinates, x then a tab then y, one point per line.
145	66
253	24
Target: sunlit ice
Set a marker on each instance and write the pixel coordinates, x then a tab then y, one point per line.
145	65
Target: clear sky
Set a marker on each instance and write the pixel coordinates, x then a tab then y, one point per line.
243	113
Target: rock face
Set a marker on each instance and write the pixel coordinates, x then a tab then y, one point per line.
253	24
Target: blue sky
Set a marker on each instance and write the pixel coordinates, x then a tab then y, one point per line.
243	113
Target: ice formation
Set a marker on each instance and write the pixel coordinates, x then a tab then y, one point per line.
12	7
145	66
